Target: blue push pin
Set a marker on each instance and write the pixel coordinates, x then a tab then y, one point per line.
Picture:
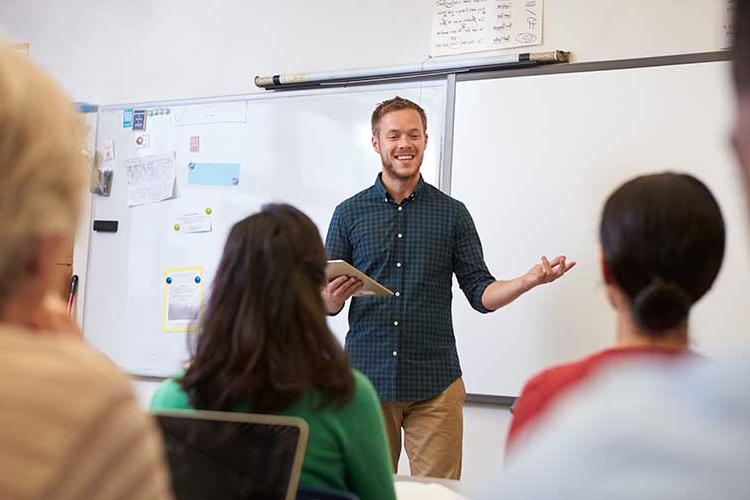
169	280
197	279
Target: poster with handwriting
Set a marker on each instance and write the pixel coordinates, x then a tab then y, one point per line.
461	26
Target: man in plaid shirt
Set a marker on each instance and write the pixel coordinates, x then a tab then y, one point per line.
411	237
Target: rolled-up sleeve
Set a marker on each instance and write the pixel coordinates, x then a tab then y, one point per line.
468	260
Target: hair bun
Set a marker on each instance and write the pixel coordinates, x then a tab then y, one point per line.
661	305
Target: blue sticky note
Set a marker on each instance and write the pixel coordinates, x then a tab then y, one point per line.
214	174
127	118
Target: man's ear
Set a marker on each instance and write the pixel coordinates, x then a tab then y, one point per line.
375	143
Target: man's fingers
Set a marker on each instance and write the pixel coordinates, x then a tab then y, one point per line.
556	260
351	286
337	281
546	267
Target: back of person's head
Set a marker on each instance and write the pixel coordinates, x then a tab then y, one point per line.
41	166
264	337
662	238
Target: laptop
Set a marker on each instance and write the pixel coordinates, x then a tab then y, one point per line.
237	456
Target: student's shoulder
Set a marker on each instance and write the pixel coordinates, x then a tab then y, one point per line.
81	389
170	396
364	391
560	376
67	363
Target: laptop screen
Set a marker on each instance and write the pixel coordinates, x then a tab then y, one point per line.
233	455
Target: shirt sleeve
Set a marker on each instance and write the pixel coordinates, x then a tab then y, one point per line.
468	260
368	462
338	244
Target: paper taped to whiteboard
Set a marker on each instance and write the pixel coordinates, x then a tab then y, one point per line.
183	296
193	223
150	178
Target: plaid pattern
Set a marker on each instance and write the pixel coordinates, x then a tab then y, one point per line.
405	343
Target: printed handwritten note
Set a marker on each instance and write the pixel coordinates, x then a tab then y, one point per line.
460	26
150	178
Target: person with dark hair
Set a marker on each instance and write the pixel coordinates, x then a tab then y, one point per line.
651	430
662	240
412	238
264	347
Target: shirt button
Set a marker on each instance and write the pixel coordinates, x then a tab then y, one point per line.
398	294
395	353
395	323
398	264
400	208
400	235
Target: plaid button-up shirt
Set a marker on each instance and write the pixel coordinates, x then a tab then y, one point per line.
405	343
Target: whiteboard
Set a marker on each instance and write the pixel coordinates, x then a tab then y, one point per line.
310	149
534	159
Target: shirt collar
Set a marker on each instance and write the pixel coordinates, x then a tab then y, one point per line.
382	192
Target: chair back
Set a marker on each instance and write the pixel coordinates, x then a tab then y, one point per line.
233	455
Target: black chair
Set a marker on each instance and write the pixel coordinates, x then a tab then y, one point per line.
240	456
316	493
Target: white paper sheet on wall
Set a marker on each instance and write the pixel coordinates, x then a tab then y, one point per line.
183	297
193	222
150	178
461	26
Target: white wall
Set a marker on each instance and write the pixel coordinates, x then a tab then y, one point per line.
105	52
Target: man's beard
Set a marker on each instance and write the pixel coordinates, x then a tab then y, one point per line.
395	173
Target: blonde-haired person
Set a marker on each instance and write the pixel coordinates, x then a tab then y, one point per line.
70	427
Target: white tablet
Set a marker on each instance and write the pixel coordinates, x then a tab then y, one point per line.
336	268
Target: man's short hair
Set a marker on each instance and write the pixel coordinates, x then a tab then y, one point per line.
395	104
42	166
741	45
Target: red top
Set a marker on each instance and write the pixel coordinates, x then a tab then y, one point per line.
547	386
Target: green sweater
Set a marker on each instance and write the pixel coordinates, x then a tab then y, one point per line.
347	449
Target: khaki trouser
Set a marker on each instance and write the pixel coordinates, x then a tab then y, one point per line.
433	432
